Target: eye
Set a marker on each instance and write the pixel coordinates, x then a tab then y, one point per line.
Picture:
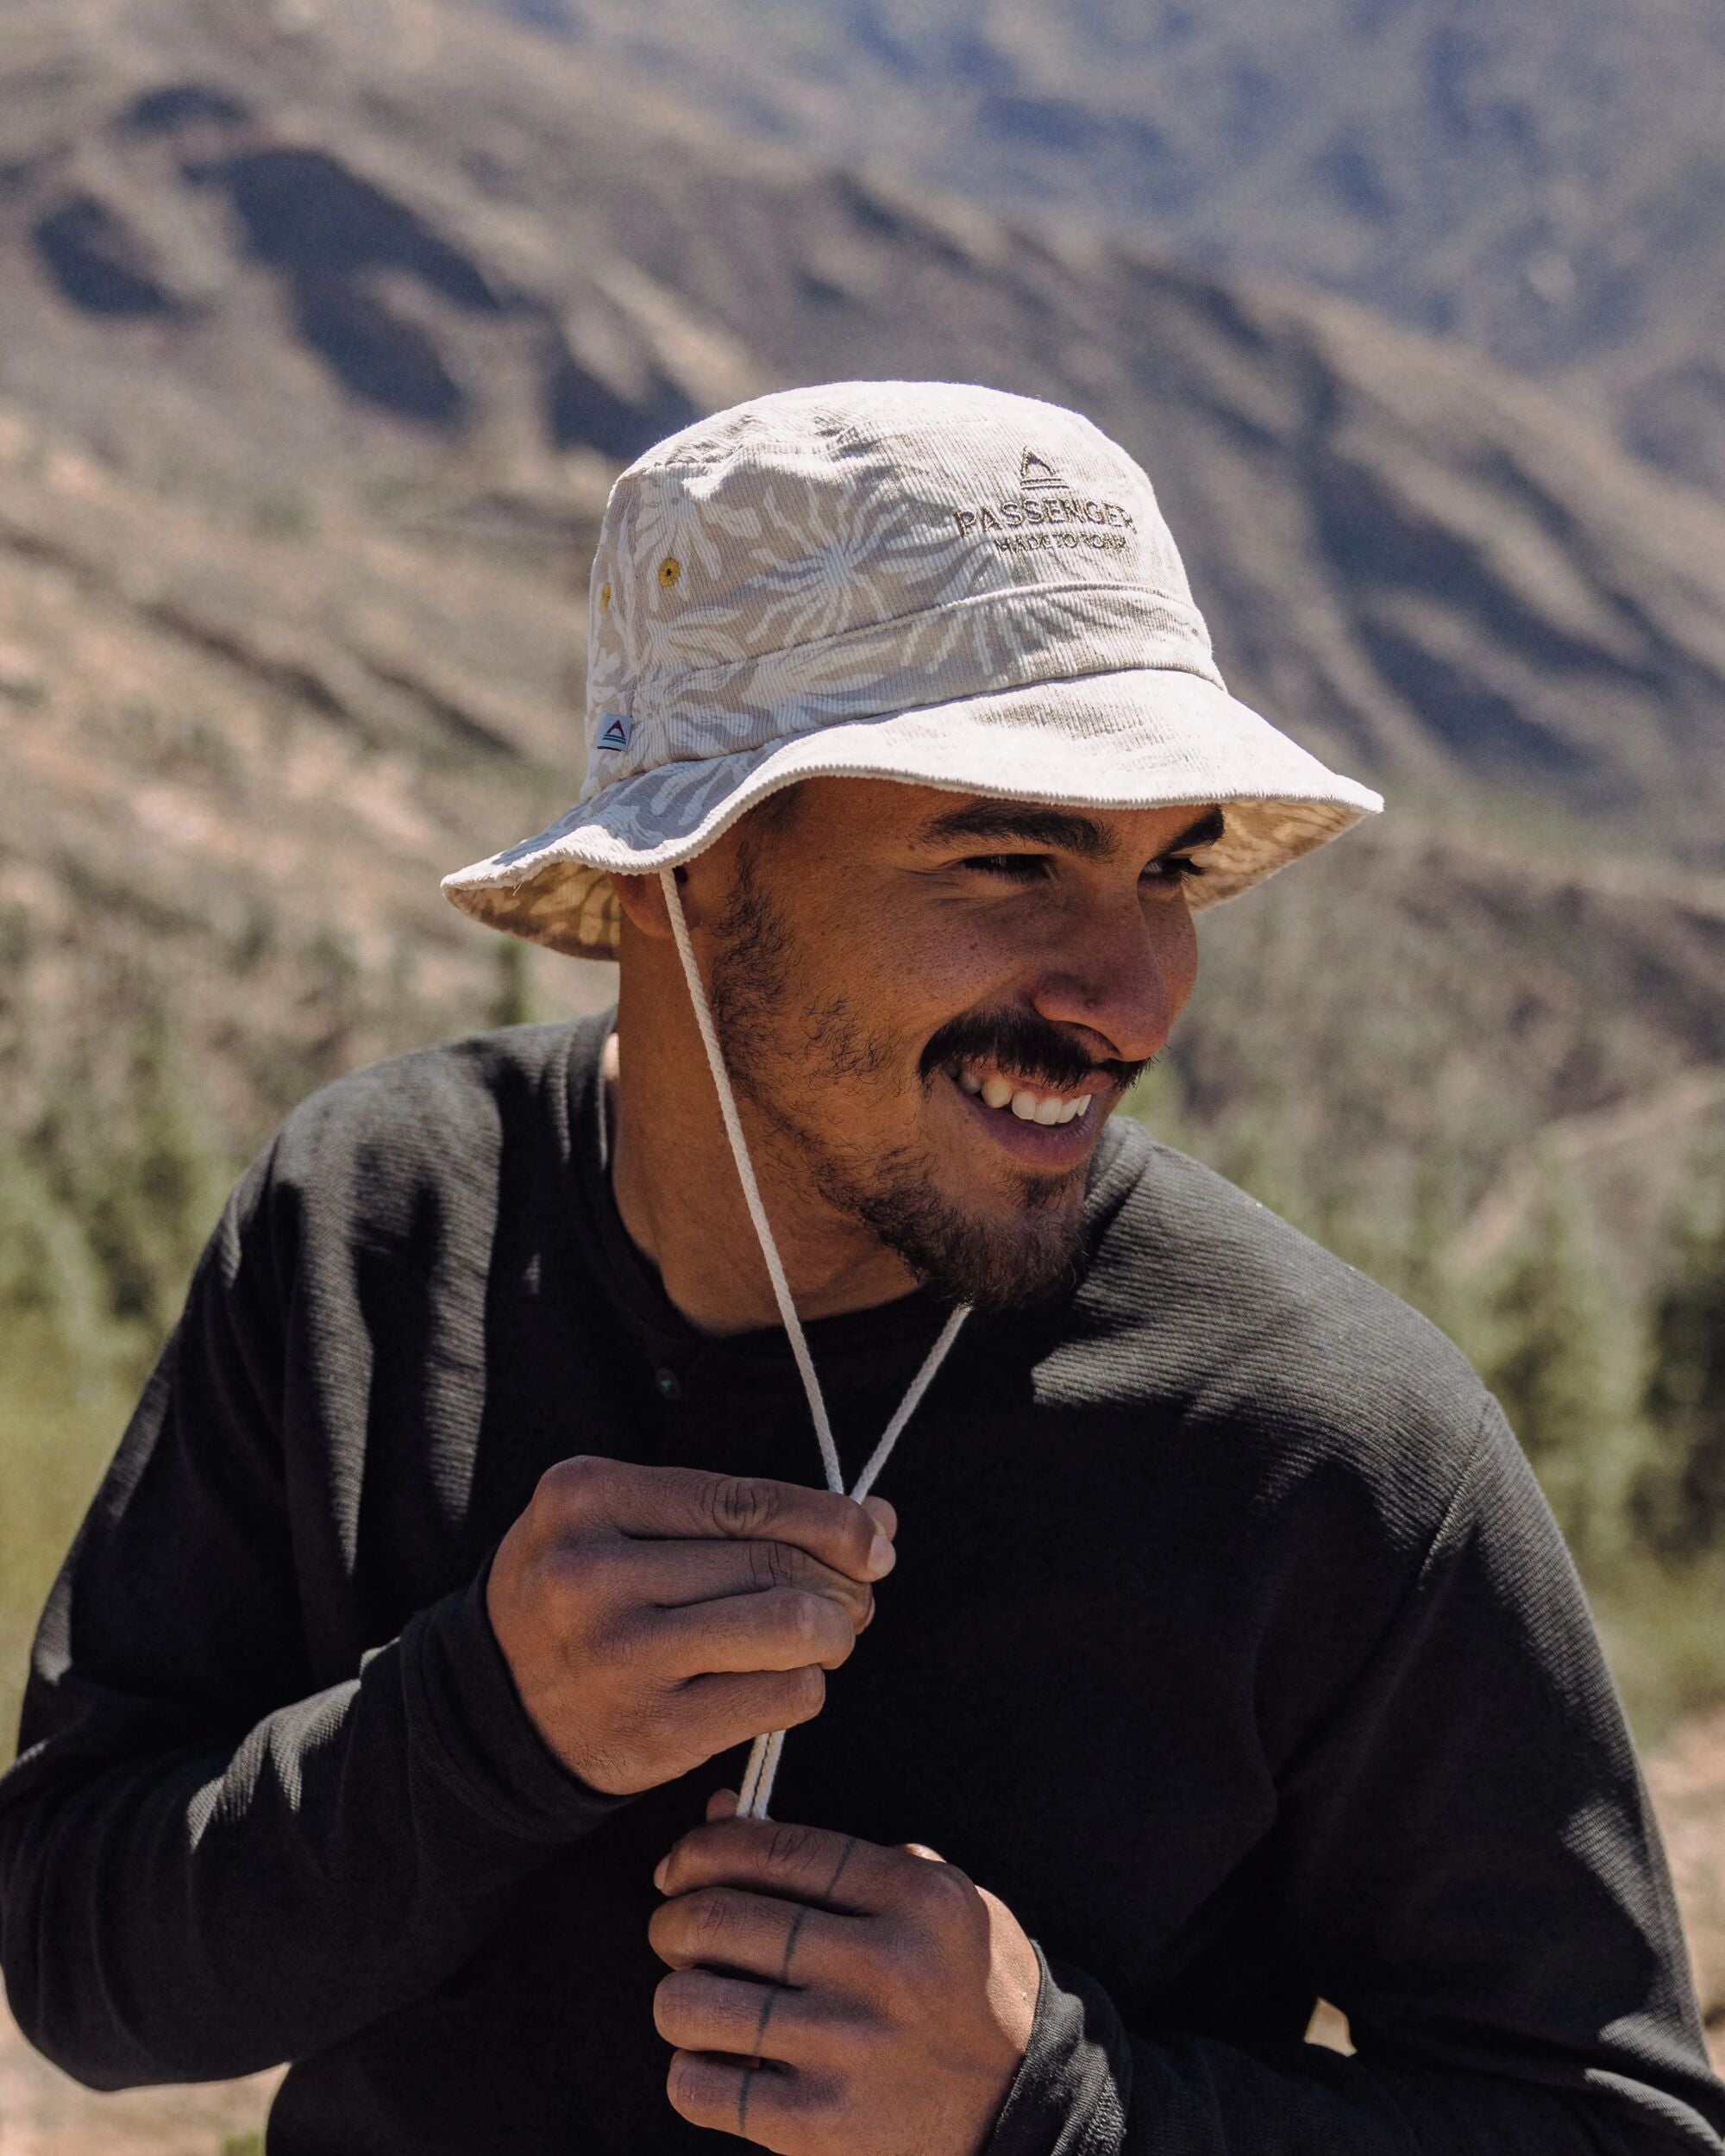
1175	869
1016	867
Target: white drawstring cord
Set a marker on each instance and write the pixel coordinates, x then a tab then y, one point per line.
763	1757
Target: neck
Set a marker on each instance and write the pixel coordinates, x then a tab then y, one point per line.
678	1191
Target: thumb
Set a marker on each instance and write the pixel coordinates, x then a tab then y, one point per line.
922	1849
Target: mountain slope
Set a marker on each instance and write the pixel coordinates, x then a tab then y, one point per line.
279	268
324	332
1546	183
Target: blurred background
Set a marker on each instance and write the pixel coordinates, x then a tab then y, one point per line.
325	325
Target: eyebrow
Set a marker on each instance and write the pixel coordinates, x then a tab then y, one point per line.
1031	824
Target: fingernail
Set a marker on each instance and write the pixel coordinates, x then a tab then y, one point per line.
661	1871
882	1557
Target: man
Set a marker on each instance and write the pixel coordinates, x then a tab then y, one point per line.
391	1711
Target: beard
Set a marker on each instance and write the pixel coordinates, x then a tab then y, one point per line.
993	1260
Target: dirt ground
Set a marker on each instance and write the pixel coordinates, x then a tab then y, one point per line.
1687	1778
44	2113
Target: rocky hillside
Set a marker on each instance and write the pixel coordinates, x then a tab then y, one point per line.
395	258
1546	184
324	329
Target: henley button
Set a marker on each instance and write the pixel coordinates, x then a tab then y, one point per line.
668	1385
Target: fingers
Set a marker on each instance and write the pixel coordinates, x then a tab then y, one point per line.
672	1574
680	1503
834	1871
755	1934
716	1713
697	2009
766	2103
788	1629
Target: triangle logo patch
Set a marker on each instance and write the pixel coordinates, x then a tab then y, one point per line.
614	730
1037	471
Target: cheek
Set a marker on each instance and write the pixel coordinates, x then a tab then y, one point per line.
909	984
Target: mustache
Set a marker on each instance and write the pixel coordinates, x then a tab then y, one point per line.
1029	1046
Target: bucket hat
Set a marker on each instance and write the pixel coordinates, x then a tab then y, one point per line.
927	581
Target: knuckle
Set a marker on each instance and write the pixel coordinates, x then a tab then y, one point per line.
771	1564
824	2109
807	1616
741	1505
943	1890
938	1919
569	1483
714	1916
575	1493
805	1694
789	1846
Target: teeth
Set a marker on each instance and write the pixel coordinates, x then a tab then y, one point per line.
996	1092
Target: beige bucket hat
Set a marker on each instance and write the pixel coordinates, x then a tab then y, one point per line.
928	581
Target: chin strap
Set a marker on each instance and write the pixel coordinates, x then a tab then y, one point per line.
763	1758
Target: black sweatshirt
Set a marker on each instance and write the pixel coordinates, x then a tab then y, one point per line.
1230	1643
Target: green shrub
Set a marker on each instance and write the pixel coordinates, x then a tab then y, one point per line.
1680	1498
1565	1360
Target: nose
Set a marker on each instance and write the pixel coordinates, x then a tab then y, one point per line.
1120	977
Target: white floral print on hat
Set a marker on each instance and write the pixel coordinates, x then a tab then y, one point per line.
928	581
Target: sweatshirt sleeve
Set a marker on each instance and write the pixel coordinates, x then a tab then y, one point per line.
1470	1871
207	1865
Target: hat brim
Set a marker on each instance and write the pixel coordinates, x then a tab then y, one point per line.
1141	737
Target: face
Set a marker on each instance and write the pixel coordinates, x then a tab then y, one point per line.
934	1001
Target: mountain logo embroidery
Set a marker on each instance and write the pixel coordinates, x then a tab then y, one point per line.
613	730
1037	471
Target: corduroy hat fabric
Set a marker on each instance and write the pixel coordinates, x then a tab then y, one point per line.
926	581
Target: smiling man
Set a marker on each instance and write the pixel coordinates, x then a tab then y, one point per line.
410	1704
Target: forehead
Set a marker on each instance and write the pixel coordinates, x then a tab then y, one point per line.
870	813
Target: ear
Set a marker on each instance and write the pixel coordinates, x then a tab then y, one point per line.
643	901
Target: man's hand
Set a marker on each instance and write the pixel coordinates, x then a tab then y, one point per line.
653	1616
830	1995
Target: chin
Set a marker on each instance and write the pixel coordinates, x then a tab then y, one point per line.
996	1258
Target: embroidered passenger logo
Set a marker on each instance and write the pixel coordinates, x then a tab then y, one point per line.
1037	471
613	732
1045	516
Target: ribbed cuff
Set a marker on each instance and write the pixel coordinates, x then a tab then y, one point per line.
1074	2082
469	1723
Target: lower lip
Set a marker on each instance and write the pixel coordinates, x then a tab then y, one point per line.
1048	1145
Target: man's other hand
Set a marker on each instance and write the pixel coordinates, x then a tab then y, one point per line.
653	1616
830	1995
